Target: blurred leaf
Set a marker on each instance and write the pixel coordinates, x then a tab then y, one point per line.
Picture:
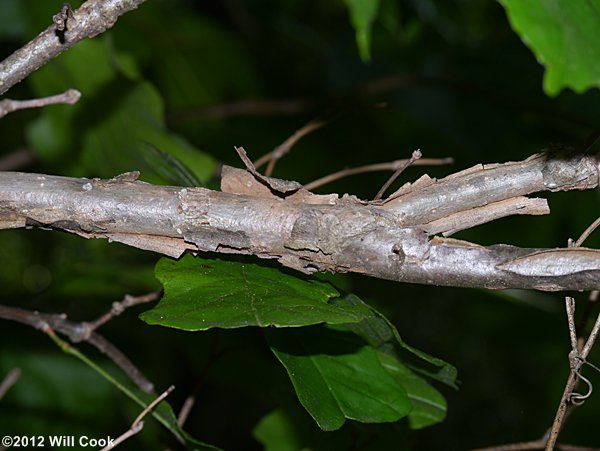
163	412
121	138
203	63
276	431
109	129
12	19
362	15
563	36
50	135
52	382
380	333
337	376
428	405
87	67
201	294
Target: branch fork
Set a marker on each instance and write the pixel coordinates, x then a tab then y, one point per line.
278	219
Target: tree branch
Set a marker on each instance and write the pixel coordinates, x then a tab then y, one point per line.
390	166
271	218
138	423
78	332
92	18
11	379
70	96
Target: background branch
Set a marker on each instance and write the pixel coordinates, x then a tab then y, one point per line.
91	19
390	166
9	380
69	97
78	332
138	423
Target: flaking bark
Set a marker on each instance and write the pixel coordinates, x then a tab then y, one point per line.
389	239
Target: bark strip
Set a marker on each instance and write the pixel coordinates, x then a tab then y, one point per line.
389	239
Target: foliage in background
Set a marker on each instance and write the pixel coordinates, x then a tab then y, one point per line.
560	34
456	81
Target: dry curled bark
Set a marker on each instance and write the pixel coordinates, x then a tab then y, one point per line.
271	218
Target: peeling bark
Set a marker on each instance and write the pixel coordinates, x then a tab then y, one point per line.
389	239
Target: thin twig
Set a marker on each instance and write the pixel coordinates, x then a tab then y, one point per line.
77	332
119	307
186	409
153	404
138	423
585	351
11	379
520	446
285	147
122	361
70	97
570	307
535	444
561	411
215	355
587	232
570	399
389	166
577	357
414	157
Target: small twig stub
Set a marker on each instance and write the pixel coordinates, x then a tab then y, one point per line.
62	17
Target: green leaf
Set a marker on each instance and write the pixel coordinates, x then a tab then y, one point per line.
195	45
163	412
337	376
87	67
118	116
362	15
563	36
277	432
120	140
201	294
12	19
428	405
380	333
54	383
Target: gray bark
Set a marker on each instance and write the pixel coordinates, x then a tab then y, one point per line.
269	218
92	18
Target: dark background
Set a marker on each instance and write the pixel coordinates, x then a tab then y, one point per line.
455	81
